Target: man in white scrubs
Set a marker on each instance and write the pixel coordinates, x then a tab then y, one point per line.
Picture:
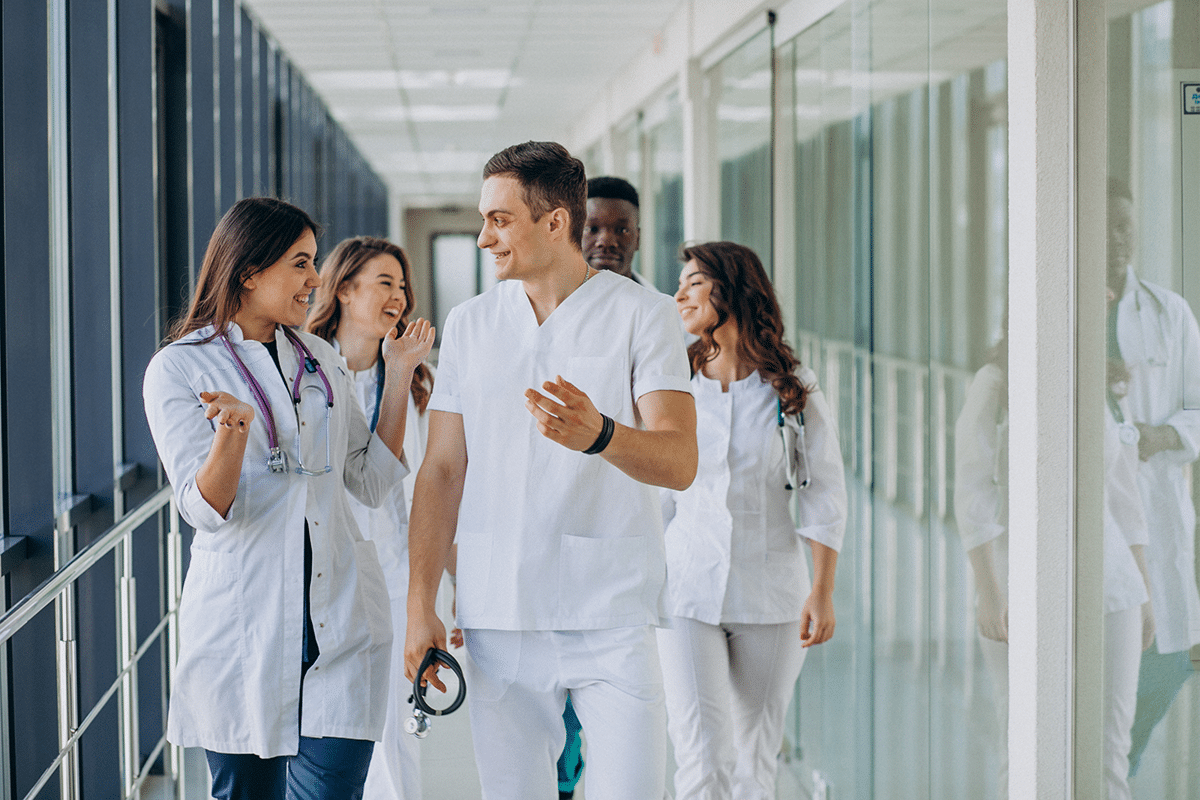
1156	335
562	401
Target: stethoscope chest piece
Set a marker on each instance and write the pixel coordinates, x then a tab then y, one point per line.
418	724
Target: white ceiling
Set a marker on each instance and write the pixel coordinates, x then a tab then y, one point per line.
430	90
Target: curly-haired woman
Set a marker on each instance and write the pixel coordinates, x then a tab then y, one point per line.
741	603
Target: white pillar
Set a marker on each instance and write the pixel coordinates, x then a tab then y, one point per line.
1056	58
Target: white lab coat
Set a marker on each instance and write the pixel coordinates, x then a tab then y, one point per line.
1160	344
237	684
395	771
733	552
550	538
387	525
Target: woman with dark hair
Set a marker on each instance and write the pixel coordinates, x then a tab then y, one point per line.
741	603
365	294
285	634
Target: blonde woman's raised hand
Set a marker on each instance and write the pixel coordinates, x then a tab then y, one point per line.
410	348
227	411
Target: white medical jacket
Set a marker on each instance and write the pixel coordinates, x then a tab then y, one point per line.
387	525
1160	345
733	551
237	684
550	538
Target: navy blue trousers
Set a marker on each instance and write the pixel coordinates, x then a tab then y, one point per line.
324	769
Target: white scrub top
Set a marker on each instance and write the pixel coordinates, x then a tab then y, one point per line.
981	467
550	538
733	551
387	525
1160	345
237	685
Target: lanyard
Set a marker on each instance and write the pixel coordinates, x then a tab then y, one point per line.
276	461
379	377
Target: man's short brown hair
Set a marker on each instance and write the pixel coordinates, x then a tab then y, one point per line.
550	177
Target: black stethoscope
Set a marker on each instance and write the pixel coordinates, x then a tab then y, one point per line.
276	458
418	723
793	443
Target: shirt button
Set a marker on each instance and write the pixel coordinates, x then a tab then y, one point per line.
302	424
316	523
322	624
318	574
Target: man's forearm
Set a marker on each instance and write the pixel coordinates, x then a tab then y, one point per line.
431	534
659	458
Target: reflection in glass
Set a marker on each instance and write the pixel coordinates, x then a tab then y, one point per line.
664	133
740	89
1152	334
899	172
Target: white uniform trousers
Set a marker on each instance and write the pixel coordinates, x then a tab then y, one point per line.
1123	652
1122	658
728	688
395	771
518	681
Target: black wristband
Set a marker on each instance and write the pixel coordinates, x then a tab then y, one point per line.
606	434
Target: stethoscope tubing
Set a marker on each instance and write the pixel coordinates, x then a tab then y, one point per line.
308	363
432	656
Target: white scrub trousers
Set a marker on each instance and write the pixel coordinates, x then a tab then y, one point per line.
395	772
728	688
518	681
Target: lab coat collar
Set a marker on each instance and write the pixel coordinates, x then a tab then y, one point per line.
233	331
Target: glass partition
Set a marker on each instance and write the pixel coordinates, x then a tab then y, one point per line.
662	200
739	86
897	117
1153	286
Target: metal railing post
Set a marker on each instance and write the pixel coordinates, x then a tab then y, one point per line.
67	660
127	645
174	592
6	771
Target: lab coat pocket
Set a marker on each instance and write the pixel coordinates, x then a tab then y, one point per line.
212	634
211	610
606	573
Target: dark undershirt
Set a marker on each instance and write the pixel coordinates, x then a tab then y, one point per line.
309	650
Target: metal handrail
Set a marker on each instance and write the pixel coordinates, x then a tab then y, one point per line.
40	598
57	591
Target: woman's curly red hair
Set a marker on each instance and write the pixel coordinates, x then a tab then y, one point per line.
743	292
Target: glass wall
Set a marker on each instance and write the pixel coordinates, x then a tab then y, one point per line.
128	107
739	88
896	120
1153	398
662	198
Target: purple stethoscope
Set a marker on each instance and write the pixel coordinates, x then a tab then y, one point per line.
277	459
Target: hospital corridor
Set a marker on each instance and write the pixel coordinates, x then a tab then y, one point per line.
792	399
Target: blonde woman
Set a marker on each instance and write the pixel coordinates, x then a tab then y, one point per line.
365	294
